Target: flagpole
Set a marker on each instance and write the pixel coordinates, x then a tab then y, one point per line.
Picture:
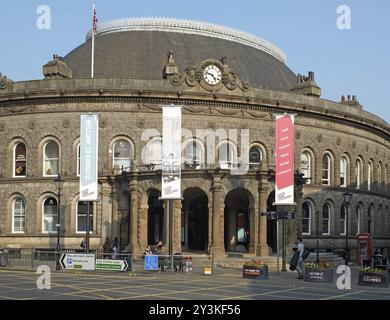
93	43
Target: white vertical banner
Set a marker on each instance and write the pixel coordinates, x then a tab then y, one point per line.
171	153
284	176
89	141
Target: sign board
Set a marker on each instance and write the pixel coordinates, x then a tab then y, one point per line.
284	175
272	215
89	134
171	153
208	271
78	261
151	263
112	265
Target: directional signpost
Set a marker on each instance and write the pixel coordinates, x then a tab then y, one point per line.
112	265
273	215
77	261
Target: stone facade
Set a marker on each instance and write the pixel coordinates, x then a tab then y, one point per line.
35	112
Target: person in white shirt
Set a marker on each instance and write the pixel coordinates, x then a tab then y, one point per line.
301	261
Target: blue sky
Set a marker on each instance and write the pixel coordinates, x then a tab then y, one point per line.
354	61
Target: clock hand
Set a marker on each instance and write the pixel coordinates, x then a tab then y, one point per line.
211	75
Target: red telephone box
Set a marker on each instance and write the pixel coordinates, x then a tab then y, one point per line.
364	247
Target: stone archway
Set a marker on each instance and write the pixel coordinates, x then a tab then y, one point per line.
194	222
238	206
155	217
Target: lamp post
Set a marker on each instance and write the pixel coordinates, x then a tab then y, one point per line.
347	199
58	183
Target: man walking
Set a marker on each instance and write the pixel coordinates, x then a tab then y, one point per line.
301	261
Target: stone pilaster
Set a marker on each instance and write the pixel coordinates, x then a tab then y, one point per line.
115	215
106	209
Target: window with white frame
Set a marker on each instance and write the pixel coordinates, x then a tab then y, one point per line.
51	158
326	163
343	171
369	175
81	212
306	218
50	215
370	218
122	156
193	153
305	165
18	215
359	211
255	157
359	173
326	213
20	159
154	153
343	220
226	156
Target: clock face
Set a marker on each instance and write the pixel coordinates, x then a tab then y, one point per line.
212	75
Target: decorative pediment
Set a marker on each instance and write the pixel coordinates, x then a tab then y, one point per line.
212	75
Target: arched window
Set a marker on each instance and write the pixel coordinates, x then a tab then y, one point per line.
305	165
255	157
326	213
51	155
154	153
369	175
193	154
343	220
226	156
359	211
122	156
18	215
385	186
359	173
379	176
343	171
81	213
370	218
20	158
78	160
306	218
326	167
50	215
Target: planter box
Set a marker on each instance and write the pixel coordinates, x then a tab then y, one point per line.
374	279
255	273
319	275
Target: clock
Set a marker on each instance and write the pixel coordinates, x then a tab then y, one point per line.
212	75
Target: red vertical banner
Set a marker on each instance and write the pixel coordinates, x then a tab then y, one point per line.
284	180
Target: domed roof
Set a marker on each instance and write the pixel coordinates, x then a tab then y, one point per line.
137	49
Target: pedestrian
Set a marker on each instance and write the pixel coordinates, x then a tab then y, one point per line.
83	245
301	261
148	251
114	247
106	246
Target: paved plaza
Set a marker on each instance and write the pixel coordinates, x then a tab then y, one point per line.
226	284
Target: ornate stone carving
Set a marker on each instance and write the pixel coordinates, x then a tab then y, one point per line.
103	123
298	135
354	144
2	127
5	83
193	76
66	123
338	141
32	125
319	138
140	123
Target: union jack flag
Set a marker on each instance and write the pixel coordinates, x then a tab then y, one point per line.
95	20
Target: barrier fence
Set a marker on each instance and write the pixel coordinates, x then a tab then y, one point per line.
32	259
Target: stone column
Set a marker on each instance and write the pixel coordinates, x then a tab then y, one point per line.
142	223
177	225
106	207
262	248
253	228
134	208
217	246
115	215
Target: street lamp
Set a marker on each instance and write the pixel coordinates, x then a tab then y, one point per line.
58	183
347	199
